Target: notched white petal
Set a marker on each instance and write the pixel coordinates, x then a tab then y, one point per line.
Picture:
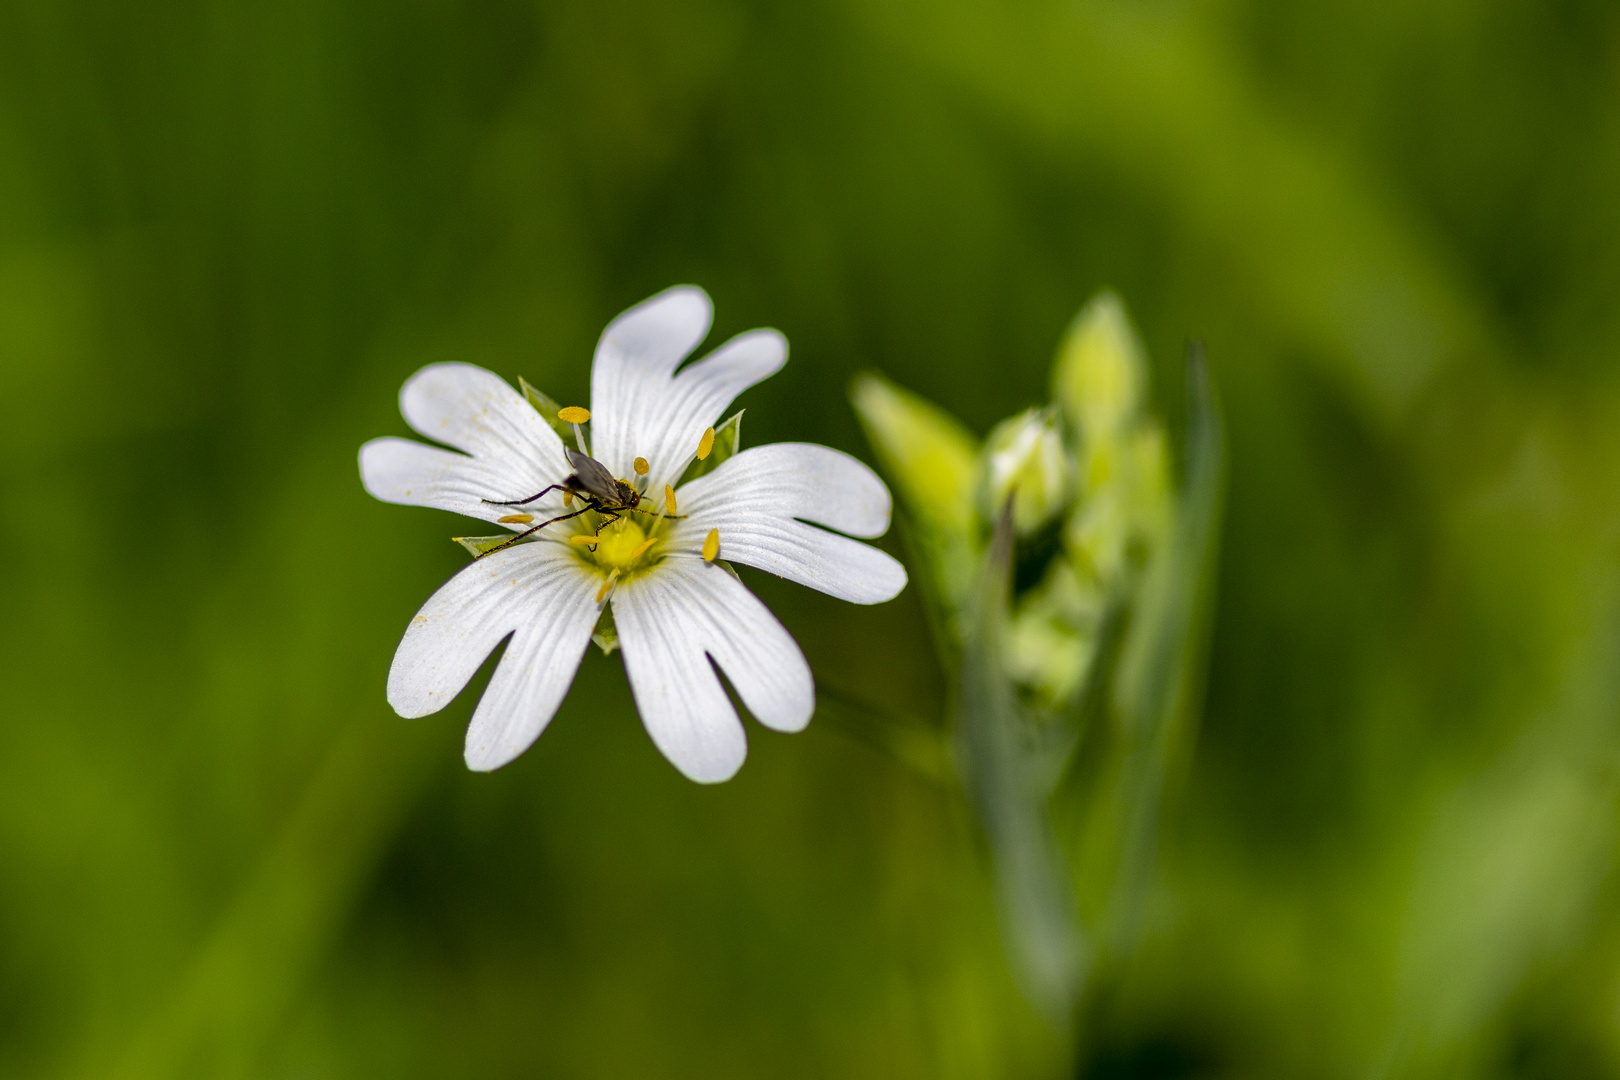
507	450
538	594
476	412
658	333
671	624
413	474
642	407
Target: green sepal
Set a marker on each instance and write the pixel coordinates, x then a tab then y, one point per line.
548	409
481	545
727	441
1100	377
931	460
606	634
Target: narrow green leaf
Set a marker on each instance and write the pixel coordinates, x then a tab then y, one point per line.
1006	784
727	441
548	410
1159	675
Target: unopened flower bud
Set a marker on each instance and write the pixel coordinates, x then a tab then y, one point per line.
1100	376
1025	456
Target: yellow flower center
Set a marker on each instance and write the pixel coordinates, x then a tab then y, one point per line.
623	545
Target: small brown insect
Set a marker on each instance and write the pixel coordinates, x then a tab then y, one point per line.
593	485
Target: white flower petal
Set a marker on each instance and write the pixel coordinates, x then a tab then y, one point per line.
640	406
760	500
412	473
540	594
476	412
671	621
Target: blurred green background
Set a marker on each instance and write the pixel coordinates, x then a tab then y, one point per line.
230	229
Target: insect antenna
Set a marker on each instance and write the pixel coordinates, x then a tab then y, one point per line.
531	530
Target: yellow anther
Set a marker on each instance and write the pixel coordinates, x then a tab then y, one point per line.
643	547
574	415
669	500
641	466
606	585
583	539
711	546
568	497
706	443
515	519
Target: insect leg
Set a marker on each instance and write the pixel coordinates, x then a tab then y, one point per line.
530	531
524	502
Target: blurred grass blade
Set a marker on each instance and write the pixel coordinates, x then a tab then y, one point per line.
1153	94
919	746
248	973
1159	678
1035	901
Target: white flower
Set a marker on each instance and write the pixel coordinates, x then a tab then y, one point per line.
676	608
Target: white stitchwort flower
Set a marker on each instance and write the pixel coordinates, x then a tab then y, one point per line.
675	603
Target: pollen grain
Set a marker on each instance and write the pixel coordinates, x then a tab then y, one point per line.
606	586
515	519
669	499
574	415
705	444
711	546
642	467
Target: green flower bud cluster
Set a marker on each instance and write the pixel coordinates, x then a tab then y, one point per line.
1121	509
1100	383
1092	467
1055	541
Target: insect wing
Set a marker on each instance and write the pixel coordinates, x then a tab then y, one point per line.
592	475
